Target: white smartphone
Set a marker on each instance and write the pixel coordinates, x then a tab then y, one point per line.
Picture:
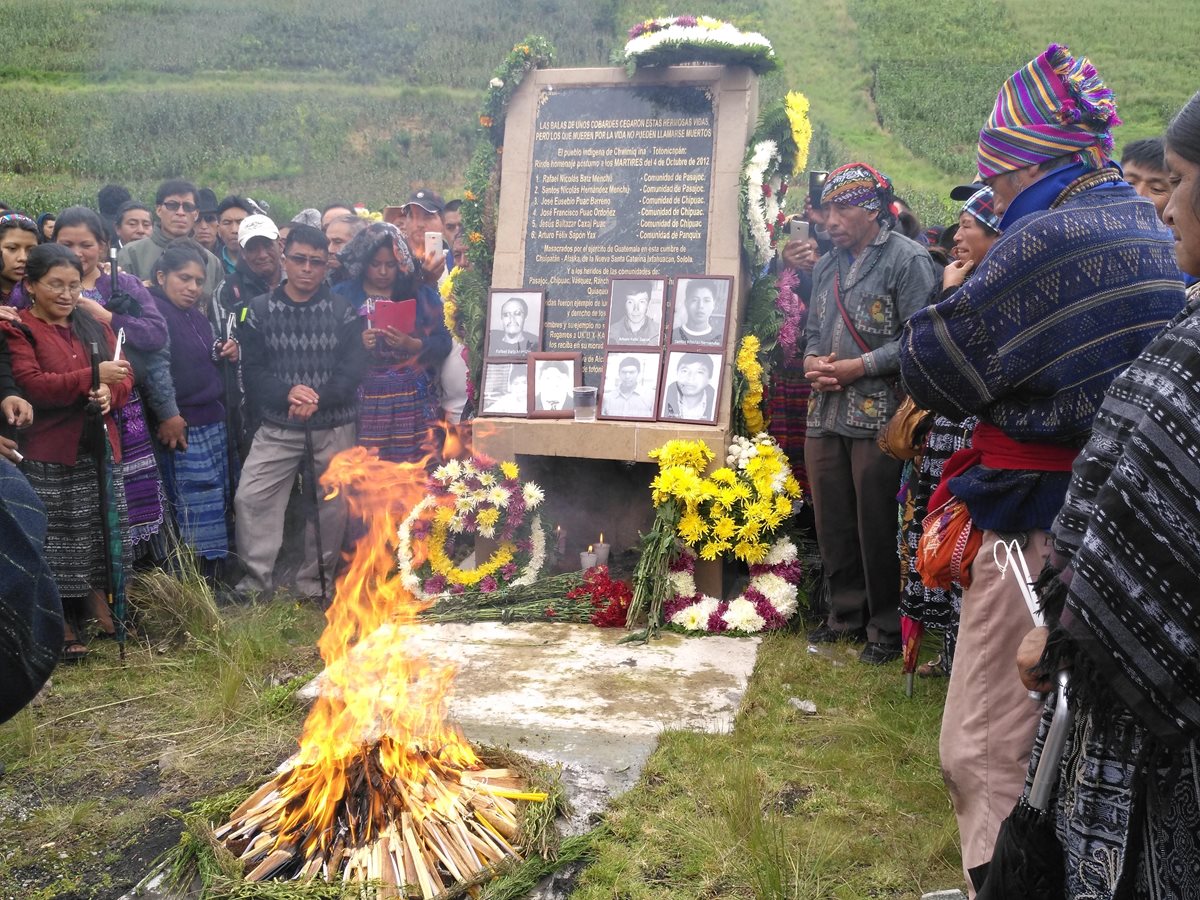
433	244
797	229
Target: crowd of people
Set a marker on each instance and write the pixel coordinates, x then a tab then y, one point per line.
167	372
1040	381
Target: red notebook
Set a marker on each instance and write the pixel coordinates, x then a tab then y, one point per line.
398	314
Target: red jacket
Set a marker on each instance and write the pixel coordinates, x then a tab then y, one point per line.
53	371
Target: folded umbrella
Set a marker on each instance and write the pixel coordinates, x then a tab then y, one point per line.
911	633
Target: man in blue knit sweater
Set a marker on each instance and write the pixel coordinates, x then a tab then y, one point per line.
302	359
1081	279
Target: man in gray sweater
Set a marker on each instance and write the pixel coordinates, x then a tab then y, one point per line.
176	209
863	292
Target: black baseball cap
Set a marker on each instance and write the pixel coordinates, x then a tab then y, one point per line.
428	201
966	191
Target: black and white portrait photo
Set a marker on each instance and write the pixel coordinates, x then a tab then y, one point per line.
693	387
505	389
701	309
514	323
630	385
553	377
635	311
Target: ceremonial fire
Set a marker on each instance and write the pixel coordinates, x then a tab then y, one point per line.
383	786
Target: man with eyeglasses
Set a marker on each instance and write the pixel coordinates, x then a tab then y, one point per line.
177	210
302	359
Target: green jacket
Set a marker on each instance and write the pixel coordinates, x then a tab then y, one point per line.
140	256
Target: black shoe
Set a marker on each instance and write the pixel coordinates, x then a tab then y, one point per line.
826	635
877	654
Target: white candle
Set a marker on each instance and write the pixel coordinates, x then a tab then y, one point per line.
602	551
587	559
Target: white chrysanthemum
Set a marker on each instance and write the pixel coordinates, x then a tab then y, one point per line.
464	504
457	488
782	551
497	496
468	469
696	616
487	531
496	83
442	474
742	616
532	494
487	479
453	468
682	583
779	592
537	555
457	524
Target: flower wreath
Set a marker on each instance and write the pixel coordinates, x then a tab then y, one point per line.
684	39
475	497
769	601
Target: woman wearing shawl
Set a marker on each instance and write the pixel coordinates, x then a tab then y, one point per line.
1124	590
397	401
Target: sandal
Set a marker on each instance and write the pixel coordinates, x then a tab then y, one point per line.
935	668
73	651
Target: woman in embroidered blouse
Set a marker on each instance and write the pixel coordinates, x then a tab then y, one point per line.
18	235
51	360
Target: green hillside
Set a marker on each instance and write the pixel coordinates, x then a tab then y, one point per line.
301	102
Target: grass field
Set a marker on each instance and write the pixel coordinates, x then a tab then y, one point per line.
301	102
847	803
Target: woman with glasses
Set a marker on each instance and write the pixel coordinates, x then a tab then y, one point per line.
131	311
397	403
51	345
18	235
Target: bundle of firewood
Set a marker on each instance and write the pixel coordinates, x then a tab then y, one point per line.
416	829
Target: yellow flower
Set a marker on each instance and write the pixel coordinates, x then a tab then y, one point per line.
449	312
724	475
723	527
485	121
446	288
791	486
692	528
510	470
796	105
783	506
714	549
487	518
475	237
750	552
469	195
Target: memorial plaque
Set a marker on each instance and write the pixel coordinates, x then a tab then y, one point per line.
620	182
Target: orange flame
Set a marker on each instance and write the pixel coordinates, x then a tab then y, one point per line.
375	688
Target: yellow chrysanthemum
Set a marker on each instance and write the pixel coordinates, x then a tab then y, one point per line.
724	475
714	549
723	527
783	506
487	518
469	195
791	486
750	552
510	470
446	288
692	528
450	315
796	105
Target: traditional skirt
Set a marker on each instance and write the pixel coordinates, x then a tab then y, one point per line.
396	408
198	485
787	407
74	537
932	607
143	486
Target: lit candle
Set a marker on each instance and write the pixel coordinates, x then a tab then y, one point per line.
560	540
602	551
587	560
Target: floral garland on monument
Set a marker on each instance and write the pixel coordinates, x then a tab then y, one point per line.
673	40
480	201
735	512
778	151
476	497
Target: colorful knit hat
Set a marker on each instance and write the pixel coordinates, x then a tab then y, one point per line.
1051	107
979	207
857	184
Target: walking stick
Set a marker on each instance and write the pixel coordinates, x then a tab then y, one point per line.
316	509
100	452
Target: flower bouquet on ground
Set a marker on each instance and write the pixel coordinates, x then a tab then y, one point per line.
673	40
470	499
735	512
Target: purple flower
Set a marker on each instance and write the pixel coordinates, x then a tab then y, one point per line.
435	584
675	604
686	21
488	585
457	588
509	570
715	621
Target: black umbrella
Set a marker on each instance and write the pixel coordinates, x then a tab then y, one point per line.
1027	862
99	444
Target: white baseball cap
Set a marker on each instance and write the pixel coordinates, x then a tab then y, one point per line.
256	226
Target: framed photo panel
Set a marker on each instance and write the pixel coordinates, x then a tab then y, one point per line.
505	389
629	386
514	323
700	310
636	308
551	378
693	387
